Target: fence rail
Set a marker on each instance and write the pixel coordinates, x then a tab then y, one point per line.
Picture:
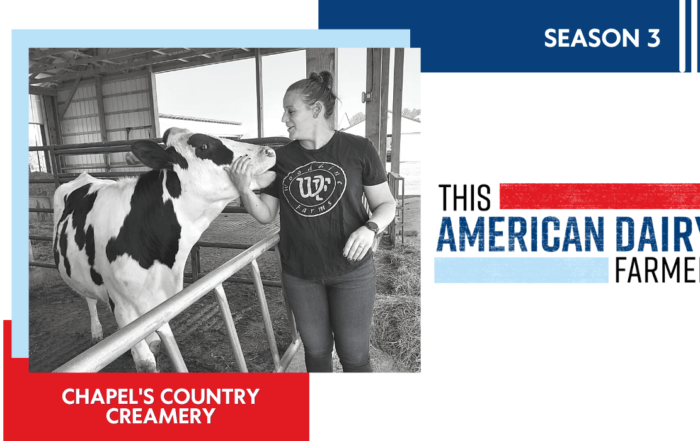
121	341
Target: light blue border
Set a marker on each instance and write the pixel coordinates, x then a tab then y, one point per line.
22	40
521	270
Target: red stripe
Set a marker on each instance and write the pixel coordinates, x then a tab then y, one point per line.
600	196
34	407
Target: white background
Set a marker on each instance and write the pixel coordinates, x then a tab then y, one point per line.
501	362
538	361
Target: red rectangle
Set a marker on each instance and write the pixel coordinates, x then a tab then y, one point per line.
43	405
600	196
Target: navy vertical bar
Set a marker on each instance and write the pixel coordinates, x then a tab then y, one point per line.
688	35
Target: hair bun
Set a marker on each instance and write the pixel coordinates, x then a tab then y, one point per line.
318	87
325	78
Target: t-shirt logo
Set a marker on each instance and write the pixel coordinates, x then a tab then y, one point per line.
315	188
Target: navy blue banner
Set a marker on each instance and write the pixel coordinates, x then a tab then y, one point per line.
519	36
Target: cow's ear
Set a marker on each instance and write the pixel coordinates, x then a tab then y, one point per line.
165	137
151	154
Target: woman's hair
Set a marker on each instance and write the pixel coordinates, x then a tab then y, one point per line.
318	87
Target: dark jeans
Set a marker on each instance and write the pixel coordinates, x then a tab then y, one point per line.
336	308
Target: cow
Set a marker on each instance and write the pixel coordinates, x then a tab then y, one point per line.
126	242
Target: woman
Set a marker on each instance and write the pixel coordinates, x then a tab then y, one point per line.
326	234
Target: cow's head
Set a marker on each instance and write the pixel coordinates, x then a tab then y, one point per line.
199	161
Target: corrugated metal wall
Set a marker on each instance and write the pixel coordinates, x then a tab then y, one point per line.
80	122
126	105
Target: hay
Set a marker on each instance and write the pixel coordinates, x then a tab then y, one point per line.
398	269
396	329
396	320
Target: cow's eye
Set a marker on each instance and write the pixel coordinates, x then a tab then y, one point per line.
203	147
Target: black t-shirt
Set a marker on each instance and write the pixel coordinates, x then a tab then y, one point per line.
320	193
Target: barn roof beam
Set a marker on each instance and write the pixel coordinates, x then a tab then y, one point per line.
219	58
38	53
121	67
34	90
44	67
161	60
76	53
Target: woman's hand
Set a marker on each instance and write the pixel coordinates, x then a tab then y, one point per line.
264	207
358	244
241	173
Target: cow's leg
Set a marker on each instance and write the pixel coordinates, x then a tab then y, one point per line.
157	294
143	357
95	326
153	341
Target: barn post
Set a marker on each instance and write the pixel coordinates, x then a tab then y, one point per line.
41	92
101	117
398	102
373	103
259	91
153	102
53	132
318	60
384	104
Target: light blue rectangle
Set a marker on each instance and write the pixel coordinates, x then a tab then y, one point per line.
20	199
521	270
23	40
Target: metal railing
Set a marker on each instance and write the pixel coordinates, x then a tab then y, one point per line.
100	355
397	186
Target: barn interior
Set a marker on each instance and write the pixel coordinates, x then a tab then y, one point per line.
88	105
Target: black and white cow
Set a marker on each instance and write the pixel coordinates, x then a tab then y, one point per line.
126	242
